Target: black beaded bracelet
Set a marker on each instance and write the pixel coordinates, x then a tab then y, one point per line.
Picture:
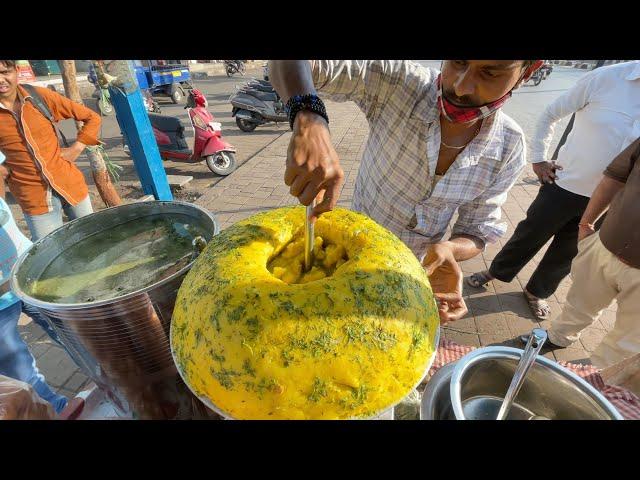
309	102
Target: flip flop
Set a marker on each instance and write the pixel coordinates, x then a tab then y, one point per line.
479	279
539	307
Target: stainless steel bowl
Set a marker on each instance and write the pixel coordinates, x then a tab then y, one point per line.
480	380
436	399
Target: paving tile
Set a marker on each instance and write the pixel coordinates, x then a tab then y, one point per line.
487	339
515	304
31	332
462	338
511	287
56	366
492	323
520	325
76	381
465	324
574	355
40	347
485	302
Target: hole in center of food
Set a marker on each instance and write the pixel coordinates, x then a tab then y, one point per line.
288	265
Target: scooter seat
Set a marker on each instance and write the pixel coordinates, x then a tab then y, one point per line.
264	96
165	123
261	88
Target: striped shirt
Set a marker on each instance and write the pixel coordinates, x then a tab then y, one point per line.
395	183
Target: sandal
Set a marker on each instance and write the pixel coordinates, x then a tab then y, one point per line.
479	279
539	306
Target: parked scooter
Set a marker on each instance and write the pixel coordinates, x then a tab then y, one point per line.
234	66
256	103
208	143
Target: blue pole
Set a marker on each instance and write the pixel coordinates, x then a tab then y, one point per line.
136	128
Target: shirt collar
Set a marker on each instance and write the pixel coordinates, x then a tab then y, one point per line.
635	73
488	143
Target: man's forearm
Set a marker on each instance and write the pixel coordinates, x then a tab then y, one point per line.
465	247
601	199
291	77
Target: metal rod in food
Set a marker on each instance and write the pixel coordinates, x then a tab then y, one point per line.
308	238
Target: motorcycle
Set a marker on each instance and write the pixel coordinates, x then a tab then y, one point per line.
256	103
208	144
541	74
234	66
150	103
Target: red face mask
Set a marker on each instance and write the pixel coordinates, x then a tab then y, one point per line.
457	114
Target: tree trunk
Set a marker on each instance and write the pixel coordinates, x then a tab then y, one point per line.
101	178
68	71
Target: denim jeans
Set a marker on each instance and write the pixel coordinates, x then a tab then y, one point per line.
42	225
16	361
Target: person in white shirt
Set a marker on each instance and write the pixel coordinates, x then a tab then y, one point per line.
606	103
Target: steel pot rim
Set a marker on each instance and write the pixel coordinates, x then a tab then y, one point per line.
499	352
23	296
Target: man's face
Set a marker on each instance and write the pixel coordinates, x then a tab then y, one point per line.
8	80
473	83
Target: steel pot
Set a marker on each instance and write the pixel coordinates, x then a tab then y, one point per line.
481	378
121	343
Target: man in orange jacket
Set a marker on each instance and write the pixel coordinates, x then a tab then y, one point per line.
41	175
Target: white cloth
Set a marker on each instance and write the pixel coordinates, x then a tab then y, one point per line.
606	102
395	180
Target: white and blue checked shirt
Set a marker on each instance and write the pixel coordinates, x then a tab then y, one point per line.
395	180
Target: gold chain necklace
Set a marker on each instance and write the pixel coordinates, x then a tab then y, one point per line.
458	148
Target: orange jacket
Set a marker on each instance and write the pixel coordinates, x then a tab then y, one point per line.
33	156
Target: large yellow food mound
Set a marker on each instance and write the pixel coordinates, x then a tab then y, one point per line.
263	340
